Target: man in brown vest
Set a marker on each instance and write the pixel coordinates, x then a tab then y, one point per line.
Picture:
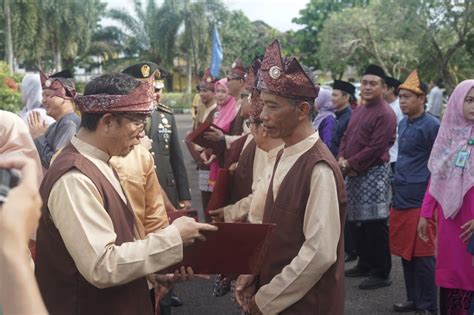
255	164
302	272
90	259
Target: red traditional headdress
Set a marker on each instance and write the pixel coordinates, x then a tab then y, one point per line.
284	77
238	71
207	81
63	87
140	100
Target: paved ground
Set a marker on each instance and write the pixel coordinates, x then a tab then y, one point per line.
197	294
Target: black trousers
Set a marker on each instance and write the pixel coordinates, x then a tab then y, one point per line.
371	239
349	240
420	282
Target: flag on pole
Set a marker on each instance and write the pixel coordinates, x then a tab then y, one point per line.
216	53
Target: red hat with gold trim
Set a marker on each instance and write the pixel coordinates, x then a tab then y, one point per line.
207	81
285	77
61	83
237	71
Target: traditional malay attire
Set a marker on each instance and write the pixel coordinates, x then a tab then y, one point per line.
89	260
326	119
255	166
303	270
251	160
450	198
342	117
237	72
207	113
395	105
365	145
342	120
137	175
61	132
223	118
166	146
416	138
32	97
207	83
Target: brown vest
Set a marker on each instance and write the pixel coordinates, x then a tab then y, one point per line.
232	155
243	174
287	211
64	289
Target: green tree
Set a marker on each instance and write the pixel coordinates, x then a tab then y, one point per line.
21	22
244	39
68	27
312	18
428	35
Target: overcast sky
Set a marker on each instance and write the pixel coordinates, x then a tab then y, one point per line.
276	13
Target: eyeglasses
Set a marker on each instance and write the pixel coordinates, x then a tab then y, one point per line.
139	123
257	122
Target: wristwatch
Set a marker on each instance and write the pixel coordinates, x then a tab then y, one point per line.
344	166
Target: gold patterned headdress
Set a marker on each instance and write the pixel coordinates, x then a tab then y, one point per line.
412	83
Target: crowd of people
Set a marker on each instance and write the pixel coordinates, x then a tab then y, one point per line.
341	179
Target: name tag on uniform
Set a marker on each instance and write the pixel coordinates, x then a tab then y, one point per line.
461	158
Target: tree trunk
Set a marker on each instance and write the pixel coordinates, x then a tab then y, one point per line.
57	57
189	72
8	36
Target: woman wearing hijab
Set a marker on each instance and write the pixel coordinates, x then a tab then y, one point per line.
16	141
31	96
450	197
325	120
226	113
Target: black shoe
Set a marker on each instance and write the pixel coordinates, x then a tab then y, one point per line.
350	257
356	272
176	301
407	306
374	283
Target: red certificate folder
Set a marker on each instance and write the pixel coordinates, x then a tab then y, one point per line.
197	136
221	194
236	248
173	215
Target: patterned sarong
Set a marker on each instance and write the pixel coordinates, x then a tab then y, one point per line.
368	194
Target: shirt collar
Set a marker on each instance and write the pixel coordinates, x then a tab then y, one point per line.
375	102
89	150
345	110
302	146
273	152
412	121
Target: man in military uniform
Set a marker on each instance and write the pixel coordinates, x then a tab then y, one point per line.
165	146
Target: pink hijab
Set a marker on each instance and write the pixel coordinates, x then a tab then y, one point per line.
449	183
226	112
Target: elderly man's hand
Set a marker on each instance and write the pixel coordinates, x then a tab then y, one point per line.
214	135
217	215
190	230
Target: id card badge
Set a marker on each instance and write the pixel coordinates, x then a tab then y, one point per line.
461	158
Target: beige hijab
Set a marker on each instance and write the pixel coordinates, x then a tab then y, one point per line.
15	140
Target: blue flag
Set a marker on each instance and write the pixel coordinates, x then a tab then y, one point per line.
216	53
